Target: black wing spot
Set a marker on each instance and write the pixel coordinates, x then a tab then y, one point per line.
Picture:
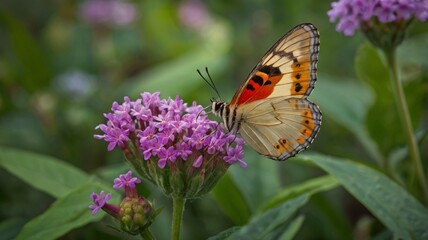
298	87
298	75
269	70
268	82
250	87
258	80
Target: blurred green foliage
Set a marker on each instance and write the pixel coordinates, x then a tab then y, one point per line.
60	71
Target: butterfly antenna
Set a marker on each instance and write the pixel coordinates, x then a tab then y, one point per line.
210	82
202	76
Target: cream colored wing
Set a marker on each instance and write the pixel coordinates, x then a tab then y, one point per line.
280	127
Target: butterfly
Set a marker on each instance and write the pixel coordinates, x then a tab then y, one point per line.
270	110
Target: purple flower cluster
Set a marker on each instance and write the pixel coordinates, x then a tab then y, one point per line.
108	12
167	130
352	12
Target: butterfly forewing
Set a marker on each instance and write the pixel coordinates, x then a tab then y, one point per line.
287	69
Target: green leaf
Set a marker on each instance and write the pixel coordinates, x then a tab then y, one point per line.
45	173
262	226
347	101
67	213
10	228
292	229
335	220
382	115
231	200
224	234
32	68
259	181
399	211
413	51
310	187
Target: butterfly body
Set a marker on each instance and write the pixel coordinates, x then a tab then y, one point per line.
271	110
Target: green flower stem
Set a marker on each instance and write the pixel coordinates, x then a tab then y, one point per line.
404	114
147	235
177	215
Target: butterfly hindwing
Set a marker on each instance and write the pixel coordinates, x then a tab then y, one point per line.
287	69
280	127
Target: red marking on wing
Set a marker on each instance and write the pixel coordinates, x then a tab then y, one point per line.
256	91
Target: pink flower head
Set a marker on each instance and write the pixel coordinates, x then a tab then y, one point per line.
170	144
167	130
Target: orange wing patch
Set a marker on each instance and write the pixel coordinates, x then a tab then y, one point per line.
260	85
283	146
300	77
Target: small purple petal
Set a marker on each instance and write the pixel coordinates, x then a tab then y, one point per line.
125	180
198	162
99	201
234	154
166	155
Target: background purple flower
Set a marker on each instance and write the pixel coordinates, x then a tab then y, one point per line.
108	12
352	12
193	14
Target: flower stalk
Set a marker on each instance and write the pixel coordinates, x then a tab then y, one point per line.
400	99
146	234
177	216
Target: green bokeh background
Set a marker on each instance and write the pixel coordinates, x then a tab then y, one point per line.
46	45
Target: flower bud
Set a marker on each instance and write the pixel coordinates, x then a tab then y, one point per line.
385	35
135	215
